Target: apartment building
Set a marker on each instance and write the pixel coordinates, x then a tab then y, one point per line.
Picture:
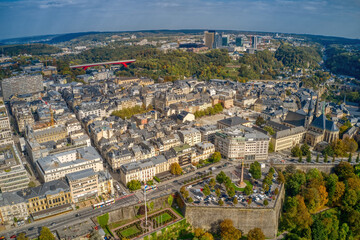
288	138
13	175
204	150
191	136
56	166
143	170
21	84
12	206
208	133
242	143
50	134
83	184
5	129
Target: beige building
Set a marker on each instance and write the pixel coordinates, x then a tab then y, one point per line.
83	185
53	167
242	143
5	130
12	206
50	134
288	138
144	170
204	150
321	129
191	136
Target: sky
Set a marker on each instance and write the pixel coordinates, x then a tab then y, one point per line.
20	18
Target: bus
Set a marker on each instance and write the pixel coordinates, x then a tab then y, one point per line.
98	205
150	188
109	202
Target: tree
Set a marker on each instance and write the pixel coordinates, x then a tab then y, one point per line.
231	191
221	202
308	157
300	158
350	158
248	190
269	129
271	147
276	191
235	201
259	121
32	184
22	236
198	232
175	169
255	234
216	157
134	185
349	198
218	192
344	170
249	201
281	178
190	200
170	200
228	231
46	234
186	194
255	170
206	190
294	182
317	158
220	178
305	149
266	202
326	158
296	214
207	236
212	183
296	151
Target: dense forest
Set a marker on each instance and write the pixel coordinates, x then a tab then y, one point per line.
31	49
298	57
151	62
343	61
322	206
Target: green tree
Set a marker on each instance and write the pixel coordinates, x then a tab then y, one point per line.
305	149
231	191
266	202
170	200
175	169
221	202
259	121
248	190
255	234
326	158
218	192
220	178
317	158
190	200
271	147
308	157
133	185
300	158
296	151
216	157
32	184
22	236
281	178
235	201
269	129
212	183
255	170
206	190
46	234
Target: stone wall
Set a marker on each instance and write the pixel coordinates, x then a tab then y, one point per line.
244	218
326	168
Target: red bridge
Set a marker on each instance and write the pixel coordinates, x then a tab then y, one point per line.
86	66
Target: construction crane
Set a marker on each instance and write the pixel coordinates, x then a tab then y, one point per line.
52	123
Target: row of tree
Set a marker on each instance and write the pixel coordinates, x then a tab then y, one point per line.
218	108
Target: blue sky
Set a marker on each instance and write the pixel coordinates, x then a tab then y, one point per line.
38	17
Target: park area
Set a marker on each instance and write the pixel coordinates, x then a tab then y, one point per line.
137	227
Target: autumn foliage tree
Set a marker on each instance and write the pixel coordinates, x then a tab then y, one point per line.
175	169
228	231
255	234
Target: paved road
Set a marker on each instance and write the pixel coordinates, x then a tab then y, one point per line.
68	219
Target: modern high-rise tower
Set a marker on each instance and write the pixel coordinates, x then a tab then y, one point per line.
209	39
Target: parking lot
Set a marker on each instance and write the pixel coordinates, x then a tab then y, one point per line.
257	197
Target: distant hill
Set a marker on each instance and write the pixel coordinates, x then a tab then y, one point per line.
59	38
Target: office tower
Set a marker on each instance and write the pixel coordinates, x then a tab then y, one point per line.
225	40
254	41
218	40
209	38
239	41
21	85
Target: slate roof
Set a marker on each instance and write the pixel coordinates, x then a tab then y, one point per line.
295	118
233	121
322	123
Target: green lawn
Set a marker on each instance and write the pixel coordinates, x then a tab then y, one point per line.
162	218
119	223
103	219
178	211
242	189
130	231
